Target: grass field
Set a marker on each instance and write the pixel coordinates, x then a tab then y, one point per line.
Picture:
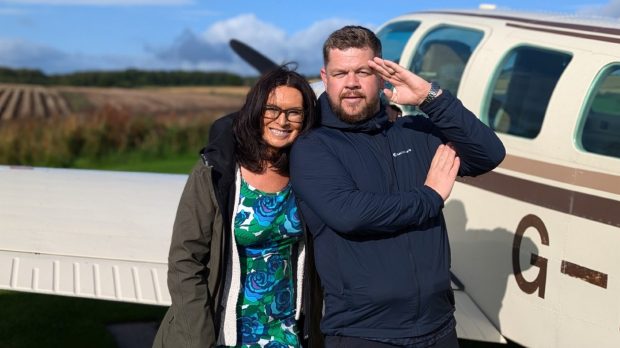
34	320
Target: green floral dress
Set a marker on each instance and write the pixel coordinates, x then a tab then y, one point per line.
267	228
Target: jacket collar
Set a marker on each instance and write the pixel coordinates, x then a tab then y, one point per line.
329	119
220	156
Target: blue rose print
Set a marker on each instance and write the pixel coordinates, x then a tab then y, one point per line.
258	283
241	217
274	263
275	344
251	329
282	303
292	225
266	209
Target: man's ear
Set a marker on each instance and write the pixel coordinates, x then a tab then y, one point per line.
324	77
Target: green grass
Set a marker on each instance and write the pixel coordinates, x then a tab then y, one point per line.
35	320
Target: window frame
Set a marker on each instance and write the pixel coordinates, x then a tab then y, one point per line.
417	22
492	82
592	93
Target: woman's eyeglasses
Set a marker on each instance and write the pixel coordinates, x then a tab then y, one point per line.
293	115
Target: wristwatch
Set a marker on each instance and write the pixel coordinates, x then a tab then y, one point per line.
432	93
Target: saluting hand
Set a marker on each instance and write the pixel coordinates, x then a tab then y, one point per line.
409	88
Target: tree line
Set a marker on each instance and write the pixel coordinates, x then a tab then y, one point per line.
125	78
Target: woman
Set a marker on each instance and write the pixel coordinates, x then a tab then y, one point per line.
236	259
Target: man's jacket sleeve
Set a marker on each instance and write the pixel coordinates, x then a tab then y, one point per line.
321	181
477	145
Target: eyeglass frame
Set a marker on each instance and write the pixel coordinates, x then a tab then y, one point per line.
277	111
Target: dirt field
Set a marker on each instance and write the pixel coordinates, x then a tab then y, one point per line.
27	101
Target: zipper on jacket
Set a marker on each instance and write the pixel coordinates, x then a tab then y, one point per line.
205	160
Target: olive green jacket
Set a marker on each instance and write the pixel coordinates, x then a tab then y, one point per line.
190	321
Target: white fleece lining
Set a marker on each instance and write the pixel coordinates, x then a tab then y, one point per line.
300	279
228	323
232	284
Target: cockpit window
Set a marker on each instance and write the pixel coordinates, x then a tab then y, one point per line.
443	54
394	37
522	90
600	131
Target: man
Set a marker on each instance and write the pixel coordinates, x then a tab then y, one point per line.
371	193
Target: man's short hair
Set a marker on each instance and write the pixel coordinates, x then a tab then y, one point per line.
351	36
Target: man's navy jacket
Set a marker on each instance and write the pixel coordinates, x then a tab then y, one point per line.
380	240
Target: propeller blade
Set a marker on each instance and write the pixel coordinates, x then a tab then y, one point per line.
253	57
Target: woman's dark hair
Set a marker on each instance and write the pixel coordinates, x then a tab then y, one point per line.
250	149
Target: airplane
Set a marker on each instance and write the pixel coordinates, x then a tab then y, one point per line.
533	243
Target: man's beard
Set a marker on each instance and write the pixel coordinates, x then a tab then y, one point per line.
363	114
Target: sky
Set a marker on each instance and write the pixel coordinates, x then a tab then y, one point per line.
62	36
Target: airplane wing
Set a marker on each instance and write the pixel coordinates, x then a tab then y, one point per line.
471	323
87	233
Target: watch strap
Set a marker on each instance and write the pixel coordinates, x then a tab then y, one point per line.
432	93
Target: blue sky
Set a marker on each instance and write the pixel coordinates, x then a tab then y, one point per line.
58	36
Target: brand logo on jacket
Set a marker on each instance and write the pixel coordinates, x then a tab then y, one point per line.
396	154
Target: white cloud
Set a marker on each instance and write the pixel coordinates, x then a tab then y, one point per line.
102	2
17	53
211	47
245	27
306	47
610	9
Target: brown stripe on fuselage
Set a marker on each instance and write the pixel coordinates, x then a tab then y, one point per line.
567	33
579	177
573	26
583	205
589	275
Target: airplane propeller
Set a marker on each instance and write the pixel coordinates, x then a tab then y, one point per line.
257	60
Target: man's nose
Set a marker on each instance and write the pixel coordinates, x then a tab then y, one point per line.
352	81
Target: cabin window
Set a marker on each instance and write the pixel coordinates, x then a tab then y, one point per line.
443	53
522	89
601	127
394	37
